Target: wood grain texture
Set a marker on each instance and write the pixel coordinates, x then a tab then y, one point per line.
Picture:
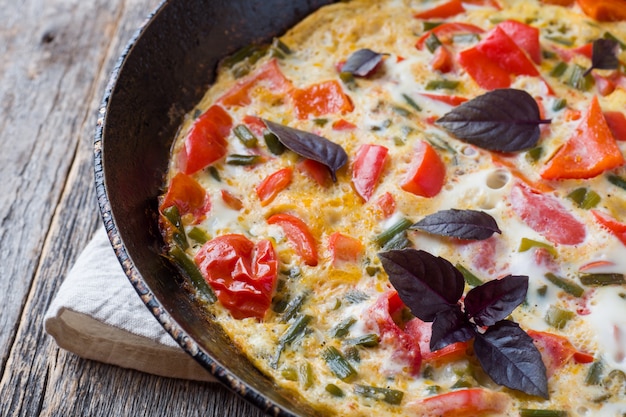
56	59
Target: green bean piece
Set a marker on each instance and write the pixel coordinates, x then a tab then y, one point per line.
432	42
173	216
198	235
367	340
401	111
584	198
442	85
273	144
600	280
305	375
293	306
526	244
243	160
428	25
346	77
342	328
320	121
558	317
338	365
411	102
433	390
388	395
399	241
280	45
548	54
240	55
566	285
192	272
617	181
527	412
470	278
290	374
559	104
297	327
558	70
594	376
461	383
356	296
388	234
372	270
534	154
542	291
334	390
579	80
561	40
351	353
215	174
245	136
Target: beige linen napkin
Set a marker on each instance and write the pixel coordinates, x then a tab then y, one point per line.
97	315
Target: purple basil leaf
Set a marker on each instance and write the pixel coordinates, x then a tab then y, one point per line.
450	326
509	357
362	62
603	55
493	301
504	120
310	146
425	283
462	224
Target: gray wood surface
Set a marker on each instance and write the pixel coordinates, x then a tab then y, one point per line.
55	59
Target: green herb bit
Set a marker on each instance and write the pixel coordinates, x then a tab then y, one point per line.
442	85
411	102
215	174
198	235
429	25
297	328
558	317
527	412
527	244
388	395
558	70
542	291
600	280
584	198
401	111
534	154
334	390
471	279
433	390
193	273
338	365
245	136
559	104
545	54
579	80
594	376
367	340
173	216
388	234
617	181
305	375
342	328
243	160
566	285
293	306
273	144
320	121
432	42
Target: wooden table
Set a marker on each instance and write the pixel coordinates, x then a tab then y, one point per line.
55	59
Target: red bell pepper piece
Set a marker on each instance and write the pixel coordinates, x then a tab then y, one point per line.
446	31
387	204
343	124
503	51
344	248
604	10
462	403
590	151
255	124
317	171
556	350
444	98
231	200
321	99
269	75
367	167
615	227
206	141
442	11
483	69
242	274
546	216
426	173
188	196
442	60
273	184
299	235
617	124
524	36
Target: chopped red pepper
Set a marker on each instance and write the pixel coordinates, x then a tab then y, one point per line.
442	60
590	151
483	69
255	124
343	124
387	204
604	10
188	196
444	98
556	350
344	248
426	173
444	10
269	75
617	228
273	184
231	200
299	235
616	120
462	403
206	141
503	51
524	36
446	31
242	274
367	167
321	99
316	171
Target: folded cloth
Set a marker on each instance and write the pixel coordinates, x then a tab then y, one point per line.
97	315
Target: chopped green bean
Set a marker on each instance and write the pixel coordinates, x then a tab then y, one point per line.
617	181
356	296
388	395
388	234
215	174
609	35
559	104
527	412
293	306
442	85
198	235
401	111
534	154
334	390
558	317
338	365
243	160
245	136
526	244
367	340
461	383
372	270
320	121
599	280
346	77
273	143
193	273
579	80
342	328
432	42
411	102
469	277
561	40
584	198
566	285
173	216
297	327
594	376
352	354
290	374
399	241
305	375
428	25
241	55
